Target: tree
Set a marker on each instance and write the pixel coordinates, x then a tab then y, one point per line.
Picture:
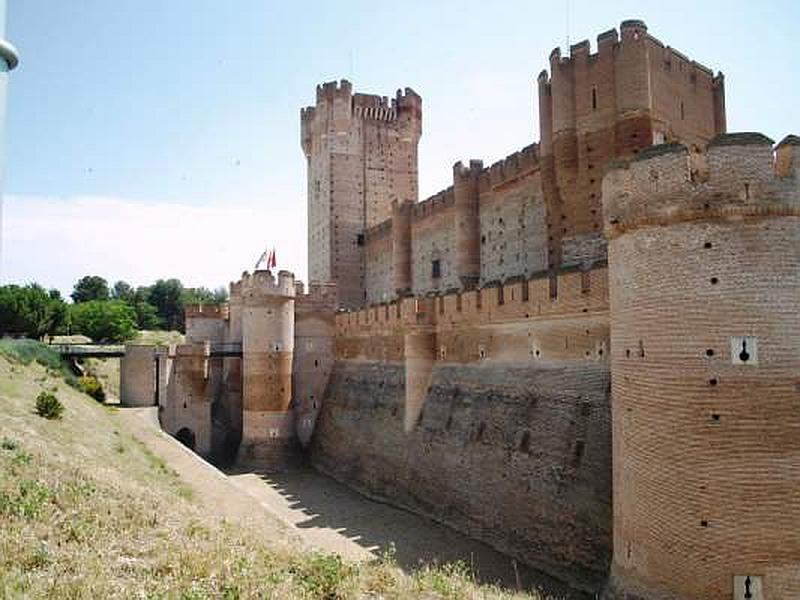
122	290
166	295
146	315
91	287
104	320
31	311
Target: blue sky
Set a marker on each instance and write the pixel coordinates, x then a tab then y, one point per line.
160	138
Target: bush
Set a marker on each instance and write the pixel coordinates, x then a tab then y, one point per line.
48	406
91	385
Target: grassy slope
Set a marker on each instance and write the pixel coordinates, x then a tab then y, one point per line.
86	511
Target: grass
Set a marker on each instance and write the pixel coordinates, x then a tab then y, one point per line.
88	511
159	338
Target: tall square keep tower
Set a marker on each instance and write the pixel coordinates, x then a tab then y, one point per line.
362	155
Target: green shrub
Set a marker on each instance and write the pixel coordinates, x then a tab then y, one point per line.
48	406
8	444
91	385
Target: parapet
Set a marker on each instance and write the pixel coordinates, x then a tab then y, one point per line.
435	204
738	176
320	297
262	284
205	311
513	166
331	89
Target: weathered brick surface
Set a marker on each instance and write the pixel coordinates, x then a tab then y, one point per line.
706	453
516	456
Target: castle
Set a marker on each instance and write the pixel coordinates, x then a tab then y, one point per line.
585	355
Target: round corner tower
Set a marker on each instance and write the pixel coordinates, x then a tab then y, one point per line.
267	316
704	277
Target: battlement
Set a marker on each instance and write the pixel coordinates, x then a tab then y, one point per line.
320	297
738	176
262	284
570	292
331	89
631	31
205	311
435	204
370	106
513	166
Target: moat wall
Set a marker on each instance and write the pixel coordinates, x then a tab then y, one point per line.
513	443
517	457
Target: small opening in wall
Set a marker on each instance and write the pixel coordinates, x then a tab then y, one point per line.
715	417
713	381
709	352
714	281
480	431
703	523
627	353
744	355
641	348
316	362
707	245
525	442
594	98
186	437
449	423
538	353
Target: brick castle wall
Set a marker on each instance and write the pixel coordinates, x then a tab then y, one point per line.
704	288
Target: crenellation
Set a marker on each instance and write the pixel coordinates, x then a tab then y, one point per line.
738	176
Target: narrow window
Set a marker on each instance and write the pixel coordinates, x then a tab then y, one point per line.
436	269
360	239
500	295
553	287
594	98
683	112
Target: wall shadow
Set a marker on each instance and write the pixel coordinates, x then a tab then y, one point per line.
415	540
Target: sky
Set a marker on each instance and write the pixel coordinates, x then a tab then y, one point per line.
149	139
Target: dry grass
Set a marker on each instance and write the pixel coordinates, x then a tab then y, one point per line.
87	511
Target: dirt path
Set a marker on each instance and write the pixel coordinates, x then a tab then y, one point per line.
314	511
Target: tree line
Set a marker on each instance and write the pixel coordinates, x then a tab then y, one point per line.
102	312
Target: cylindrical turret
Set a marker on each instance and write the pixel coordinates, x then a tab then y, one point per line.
267	349
704	278
468	227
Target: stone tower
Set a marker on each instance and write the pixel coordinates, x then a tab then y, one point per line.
362	155
593	108
267	315
704	278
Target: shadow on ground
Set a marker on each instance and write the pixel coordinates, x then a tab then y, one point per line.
315	501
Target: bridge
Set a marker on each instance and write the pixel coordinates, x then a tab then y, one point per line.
72	351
